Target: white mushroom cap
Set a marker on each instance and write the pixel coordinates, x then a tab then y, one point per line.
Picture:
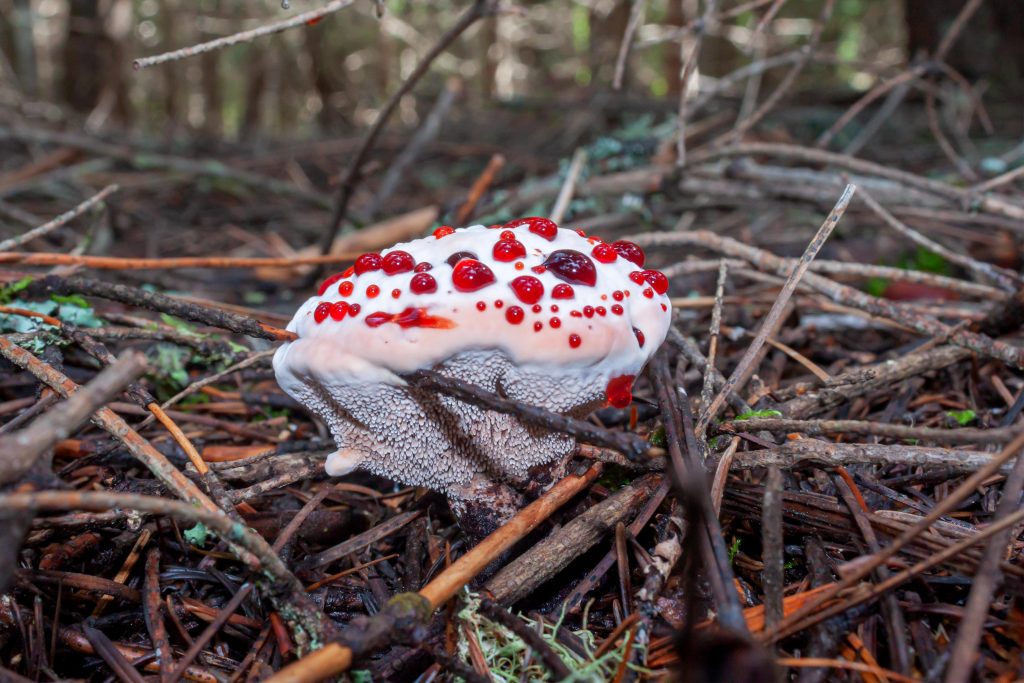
540	314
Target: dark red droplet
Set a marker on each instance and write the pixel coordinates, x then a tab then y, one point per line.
458	256
422	267
617	295
514	315
537	308
368	262
637	276
554	308
395	293
422	283
574	340
443	231
507	235
418	317
321	312
630	251
555	323
398	262
481	306
353	310
572	266
657	280
664	307
377	319
508	250
538	326
372	291
604	253
576	314
639	337
339	310
539	270
588	311
600	310
620	391
537	225
527	288
346	287
470	275
649	293
617	309
328	282
499	303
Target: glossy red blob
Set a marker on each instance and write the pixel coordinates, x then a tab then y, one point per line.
604	253
649	293
514	315
539	269
353	310
554	308
395	293
600	310
617	295
637	276
508	250
617	309
664	307
328	282
563	292
499	303
528	289
422	267
410	317
422	283
470	275
445	230
576	314
555	323
575	341
481	306
339	310
537	308
630	252
346	287
538	326
398	262
588	311
458	256
321	312
372	291
657	280
349	272
537	225
507	235
572	266
581	233
368	262
639	337
620	391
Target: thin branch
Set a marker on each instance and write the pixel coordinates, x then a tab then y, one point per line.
59	221
310	17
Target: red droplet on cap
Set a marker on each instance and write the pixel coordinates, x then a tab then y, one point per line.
454	259
588	311
574	340
600	310
353	310
649	293
395	293
604	253
657	280
637	276
538	326
619	391
555	323
639	337
470	275
372	291
422	267
528	289
339	310
328	282
507	235
508	250
443	231
422	283
563	292
630	251
537	225
349	272
346	287
572	266
617	295
514	315
398	262
481	306
617	309
321	312
368	262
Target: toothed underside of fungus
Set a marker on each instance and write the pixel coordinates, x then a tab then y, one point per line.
542	315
